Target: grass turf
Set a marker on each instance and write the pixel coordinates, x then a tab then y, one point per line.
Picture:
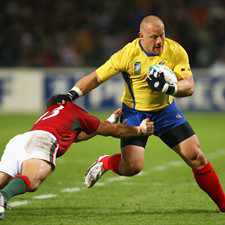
165	194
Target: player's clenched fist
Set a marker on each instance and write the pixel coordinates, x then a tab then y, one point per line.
162	79
146	127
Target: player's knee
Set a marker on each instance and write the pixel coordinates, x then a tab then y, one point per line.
198	159
201	159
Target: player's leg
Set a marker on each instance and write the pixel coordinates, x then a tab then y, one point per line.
127	163
175	131
190	151
131	159
183	140
34	171
203	171
29	159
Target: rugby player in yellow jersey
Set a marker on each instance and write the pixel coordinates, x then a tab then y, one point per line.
142	98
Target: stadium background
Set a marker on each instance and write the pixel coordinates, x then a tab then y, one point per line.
47	45
80	35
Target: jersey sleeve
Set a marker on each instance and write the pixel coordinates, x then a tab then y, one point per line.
182	67
116	63
89	123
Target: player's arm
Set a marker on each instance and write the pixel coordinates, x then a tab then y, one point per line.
185	87
113	118
185	84
110	68
121	130
110	127
83	86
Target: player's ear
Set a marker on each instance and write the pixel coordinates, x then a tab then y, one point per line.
51	101
140	34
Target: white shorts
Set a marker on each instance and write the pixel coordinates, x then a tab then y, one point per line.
35	144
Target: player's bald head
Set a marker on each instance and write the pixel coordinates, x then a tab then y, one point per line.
151	21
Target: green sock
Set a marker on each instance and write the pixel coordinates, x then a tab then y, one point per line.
15	187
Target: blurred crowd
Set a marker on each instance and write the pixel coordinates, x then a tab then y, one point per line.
49	33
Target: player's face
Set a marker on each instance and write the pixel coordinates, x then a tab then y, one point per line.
152	38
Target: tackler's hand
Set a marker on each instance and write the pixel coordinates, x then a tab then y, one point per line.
146	127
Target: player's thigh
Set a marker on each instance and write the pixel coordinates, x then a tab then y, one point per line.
4	179
132	148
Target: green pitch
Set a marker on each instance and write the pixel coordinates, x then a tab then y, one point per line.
164	194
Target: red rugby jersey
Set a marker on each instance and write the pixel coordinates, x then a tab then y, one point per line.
65	122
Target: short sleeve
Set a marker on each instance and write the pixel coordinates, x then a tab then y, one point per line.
182	67
89	123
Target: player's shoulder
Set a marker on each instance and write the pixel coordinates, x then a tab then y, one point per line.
132	48
174	46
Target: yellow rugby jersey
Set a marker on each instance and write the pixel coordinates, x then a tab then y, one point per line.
133	63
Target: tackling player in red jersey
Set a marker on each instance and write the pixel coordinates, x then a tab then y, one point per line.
30	157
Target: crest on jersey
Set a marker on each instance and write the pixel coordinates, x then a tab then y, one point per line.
137	68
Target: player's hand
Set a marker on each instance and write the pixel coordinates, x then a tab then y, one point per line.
146	127
118	113
62	98
115	116
156	81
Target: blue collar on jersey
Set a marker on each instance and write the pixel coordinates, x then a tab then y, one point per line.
147	53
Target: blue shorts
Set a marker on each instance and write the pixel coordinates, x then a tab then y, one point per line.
164	121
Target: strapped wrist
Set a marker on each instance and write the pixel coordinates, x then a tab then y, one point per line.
74	93
77	89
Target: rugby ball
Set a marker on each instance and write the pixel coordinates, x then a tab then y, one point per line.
169	75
